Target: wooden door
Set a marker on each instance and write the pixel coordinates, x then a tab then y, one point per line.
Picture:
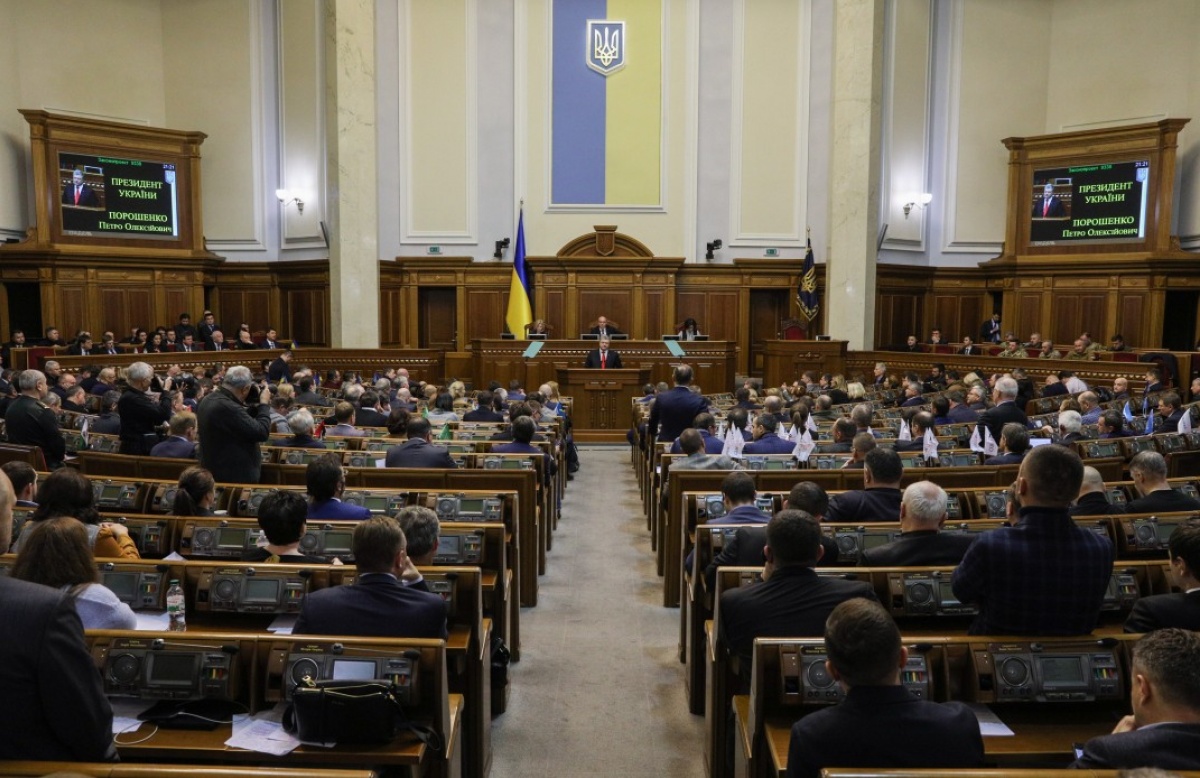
768	309
438	316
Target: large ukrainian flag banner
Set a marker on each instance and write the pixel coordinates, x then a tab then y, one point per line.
606	146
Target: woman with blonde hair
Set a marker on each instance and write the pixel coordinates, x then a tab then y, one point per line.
56	553
856	391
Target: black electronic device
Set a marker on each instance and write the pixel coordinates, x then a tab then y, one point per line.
218	539
300	456
363	459
250	590
162	499
116	495
958	459
804	679
1122	591
328	541
953	508
995	504
1153	533
356	665
720	536
152	536
1038	672
159	669
460	507
709	507
1102	449
507	463
136	586
378	503
852	541
770	463
925	593
459	548
1116	496
765	504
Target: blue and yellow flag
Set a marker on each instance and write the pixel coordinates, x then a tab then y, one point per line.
806	294
520	311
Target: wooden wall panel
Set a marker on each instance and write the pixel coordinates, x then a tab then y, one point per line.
722	316
945	316
656	313
485	311
694	303
555	314
390	324
1130	310
1029	314
616	305
896	317
1091	317
1066	319
306	313
72	311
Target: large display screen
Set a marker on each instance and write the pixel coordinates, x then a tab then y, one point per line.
118	198
1101	203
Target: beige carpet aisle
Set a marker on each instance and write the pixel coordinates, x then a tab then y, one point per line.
599	689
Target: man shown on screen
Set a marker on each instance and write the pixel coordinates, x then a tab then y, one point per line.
1048	206
79	194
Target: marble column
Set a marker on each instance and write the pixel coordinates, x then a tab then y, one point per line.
854	171
352	211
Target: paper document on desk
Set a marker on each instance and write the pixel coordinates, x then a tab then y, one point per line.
153	620
283	623
990	724
264	736
125	714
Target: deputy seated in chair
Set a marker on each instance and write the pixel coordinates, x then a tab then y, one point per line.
922	513
326	480
880	723
1179	609
301	423
879	499
282	518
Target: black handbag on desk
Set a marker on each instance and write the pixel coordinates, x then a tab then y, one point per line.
350	712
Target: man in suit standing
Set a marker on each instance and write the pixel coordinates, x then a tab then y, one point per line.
377	603
922	513
1164	729
326	480
233	421
55	708
1005	410
602	358
674	410
879	723
1050	206
141	416
418	451
792	600
280	370
184	328
208	326
1178	609
604	329
79	194
989	331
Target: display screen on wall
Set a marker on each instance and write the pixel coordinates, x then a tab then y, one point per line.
105	196
1096	203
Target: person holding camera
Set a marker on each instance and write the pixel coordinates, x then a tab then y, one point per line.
233	421
140	413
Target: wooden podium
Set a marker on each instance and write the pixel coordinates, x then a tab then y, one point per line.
602	399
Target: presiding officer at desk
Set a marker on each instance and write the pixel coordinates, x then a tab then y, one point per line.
1046	575
879	723
602	358
604	329
377	603
54	706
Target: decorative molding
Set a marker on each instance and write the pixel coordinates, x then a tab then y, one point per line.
795	238
691	132
287	238
469	235
664	104
521	107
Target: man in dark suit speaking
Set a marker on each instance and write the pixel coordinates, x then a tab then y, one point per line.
879	723
1049	206
603	358
1164	730
377	603
78	193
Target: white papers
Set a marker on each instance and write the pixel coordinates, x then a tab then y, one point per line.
976	442
905	431
990	447
125	714
153	620
929	446
174	557
734	443
283	624
262	735
804	446
990	724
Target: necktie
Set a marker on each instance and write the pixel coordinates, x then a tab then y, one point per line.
1046	207
603	360
78	189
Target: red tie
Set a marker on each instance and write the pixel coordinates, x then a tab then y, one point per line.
1046	207
603	360
77	190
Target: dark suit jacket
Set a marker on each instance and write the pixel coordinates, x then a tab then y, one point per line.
139	417
524	448
995	418
1162	501
612	361
28	422
279	370
418	453
1055	390
769	443
179	448
87	196
610	331
336	509
885	726
712	444
376	605
204	331
369	417
1165	610
922	547
230	434
1169	423
1094	504
55	708
483	414
745	549
673	411
1166	746
877	504
1044	209
794	602
212	346
1005	459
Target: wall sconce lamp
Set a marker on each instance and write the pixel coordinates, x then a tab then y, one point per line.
917	200
501	245
711	247
287	196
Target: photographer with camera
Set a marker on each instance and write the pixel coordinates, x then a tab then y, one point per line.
141	414
233	421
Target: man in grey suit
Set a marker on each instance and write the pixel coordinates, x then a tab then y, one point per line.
377	603
1164	729
55	708
418	451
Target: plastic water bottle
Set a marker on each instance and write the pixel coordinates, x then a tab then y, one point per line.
176	607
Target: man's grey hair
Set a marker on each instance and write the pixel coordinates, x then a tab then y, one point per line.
29	379
301	422
53	400
925	502
139	371
352	393
1007	388
1151	463
238	377
1070	421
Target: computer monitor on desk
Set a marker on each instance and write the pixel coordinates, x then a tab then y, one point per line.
588	336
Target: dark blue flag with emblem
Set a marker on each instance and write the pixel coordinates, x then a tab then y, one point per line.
806	293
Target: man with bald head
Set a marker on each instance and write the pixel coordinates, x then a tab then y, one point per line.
1093	496
55	707
922	513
